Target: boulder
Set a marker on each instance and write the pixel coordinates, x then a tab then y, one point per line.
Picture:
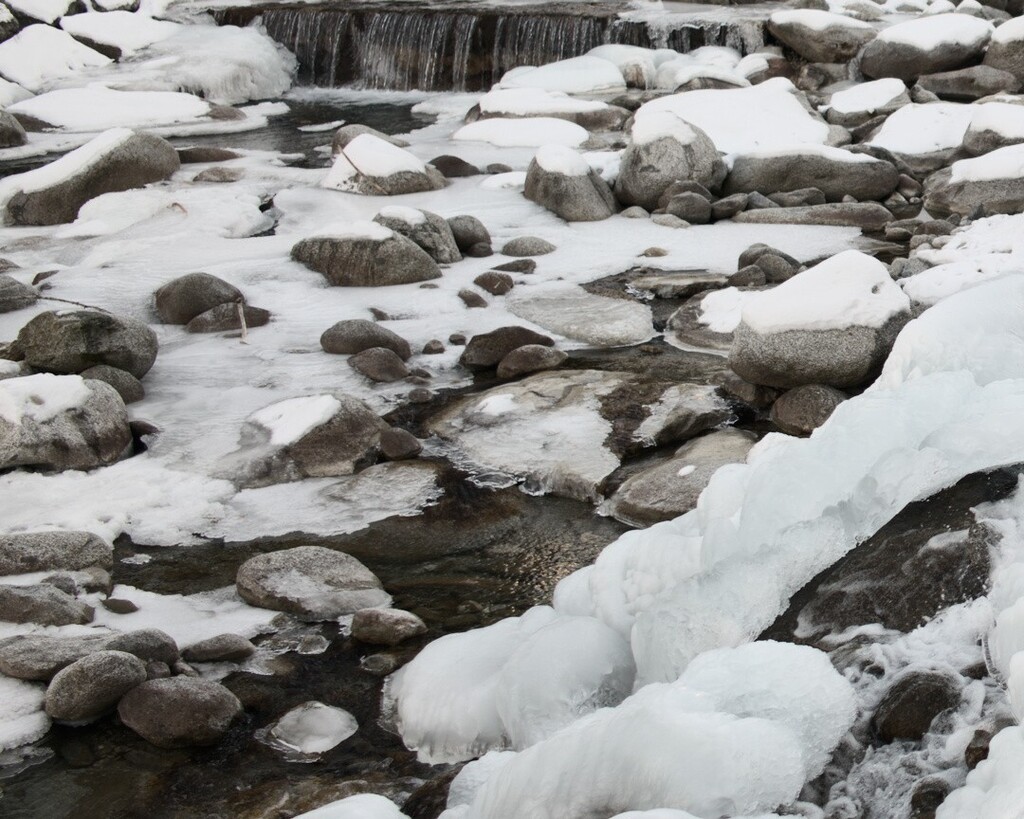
90	687
366	255
468	232
225	318
471	298
833	171
1006	50
428	230
397	444
12	132
523	246
670	489
911	704
495	283
116	160
802	410
820	36
926	45
373	166
179	712
311	582
833	324
690	207
61	422
379	364
182	299
9	24
312	436
346	133
44	605
969	84
573	312
855	106
355	335
14	295
386	627
127	385
39	657
453	167
988	184
74	340
486	350
530	358
231	648
995	125
665	149
560	180
57	550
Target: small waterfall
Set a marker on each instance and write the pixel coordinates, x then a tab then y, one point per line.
463	50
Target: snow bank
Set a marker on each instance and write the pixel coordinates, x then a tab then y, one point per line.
45	10
97	108
528	132
1003	163
934	33
726	116
125	30
577	75
39	55
850	289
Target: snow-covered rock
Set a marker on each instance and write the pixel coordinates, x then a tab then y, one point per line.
372	166
1005	49
560	180
832	324
994	125
577	75
126	31
426	229
39	55
856	105
510	103
96	108
820	36
361	806
526	132
116	160
928	136
926	45
990	183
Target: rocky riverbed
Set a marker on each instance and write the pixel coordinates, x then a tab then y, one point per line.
637	437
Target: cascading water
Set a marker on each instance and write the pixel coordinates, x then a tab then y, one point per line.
464	50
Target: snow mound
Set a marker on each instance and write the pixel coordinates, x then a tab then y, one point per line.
40	397
97	108
287	421
371	156
39	55
934	32
1003	163
534	102
868	96
577	75
528	132
362	806
125	30
559	159
923	129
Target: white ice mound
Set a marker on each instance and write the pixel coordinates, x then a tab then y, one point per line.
577	75
38	55
995	789
507	685
726	116
739	735
97	108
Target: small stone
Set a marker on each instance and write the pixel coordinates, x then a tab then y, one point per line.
802	410
526	266
635	212
527	246
179	712
498	167
433	347
91	686
729	206
386	626
225	317
397	444
669	221
156	670
182	299
480	250
495	283
530	358
691	207
776	269
222	648
379	364
420	396
119	606
453	167
472	299
654	252
458	339
379	665
469	231
749	276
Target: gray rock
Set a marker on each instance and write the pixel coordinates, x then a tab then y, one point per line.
670	489
776	268
379	364
179	712
833	174
433	234
495	283
346	133
203	154
468	232
74	340
486	350
869	216
833	38
182	299
310	581
982	140
90	687
118	605
527	246
530	358
670	221
12	132
966	197
14	295
397	444
969	84
424	178
43	604
39	657
683	186
60	550
91	433
471	298
753	253
386	627
574	198
648	169
433	347
634	212
1006	51
868	118
729	206
146	644
798	198
366	262
912	702
355	335
884	58
453	167
692	207
136	161
127	385
224	318
526	266
231	648
802	410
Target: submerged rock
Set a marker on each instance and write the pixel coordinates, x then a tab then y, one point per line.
911	704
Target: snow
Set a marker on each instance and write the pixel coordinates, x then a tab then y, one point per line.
944	280
11	92
656	125
938	31
673	74
312	728
868	96
370	231
45	10
533	102
127	31
562	160
371	156
1002	163
97	108
817	20
288	421
1004	118
22	719
41	397
722	310
851	289
823	151
38	55
577	75
629	58
362	806
923	129
528	132
726	116
1009	32
410	216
